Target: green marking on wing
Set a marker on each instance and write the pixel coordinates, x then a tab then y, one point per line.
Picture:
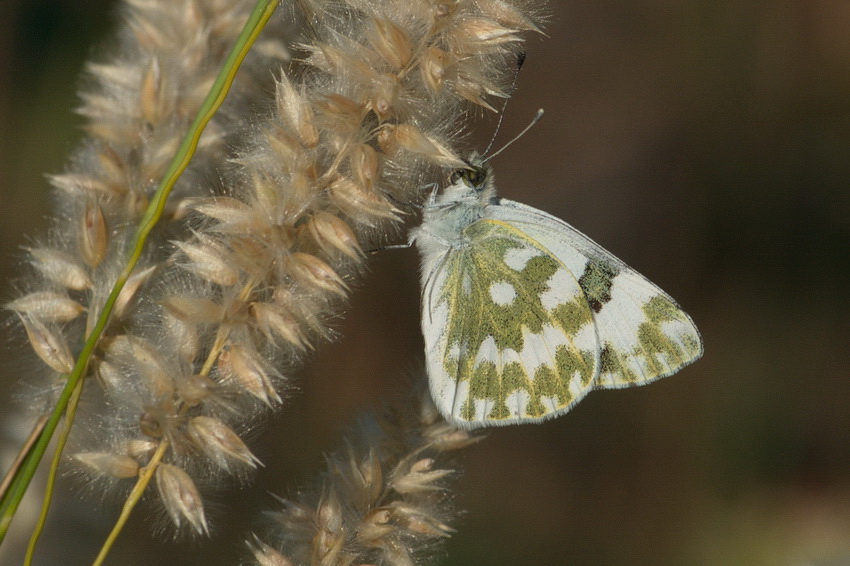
613	362
572	315
656	352
553	385
474	317
659	309
653	341
484	384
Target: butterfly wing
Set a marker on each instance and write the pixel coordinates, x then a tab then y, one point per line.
643	334
510	336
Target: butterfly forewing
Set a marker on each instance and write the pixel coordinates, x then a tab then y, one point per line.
509	334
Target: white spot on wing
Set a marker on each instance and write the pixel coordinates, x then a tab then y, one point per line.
487	352
539	349
562	287
502	293
624	311
518	258
517	402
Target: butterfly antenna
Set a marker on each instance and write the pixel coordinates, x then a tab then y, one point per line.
516	137
519	62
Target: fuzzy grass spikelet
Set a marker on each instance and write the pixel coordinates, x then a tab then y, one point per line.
138	101
383	498
241	277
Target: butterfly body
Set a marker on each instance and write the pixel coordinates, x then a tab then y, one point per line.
523	315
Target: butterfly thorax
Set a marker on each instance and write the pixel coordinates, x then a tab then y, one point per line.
460	204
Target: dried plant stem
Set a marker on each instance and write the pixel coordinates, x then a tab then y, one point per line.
54	469
145	476
12	498
37	429
255	24
223	334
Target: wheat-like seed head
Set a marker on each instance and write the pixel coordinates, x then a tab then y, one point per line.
258	247
383	498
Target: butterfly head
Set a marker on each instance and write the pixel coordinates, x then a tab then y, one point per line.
473	182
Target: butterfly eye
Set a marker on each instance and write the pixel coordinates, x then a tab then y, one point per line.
476	176
457	175
473	177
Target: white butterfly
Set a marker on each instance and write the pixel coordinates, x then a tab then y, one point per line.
523	315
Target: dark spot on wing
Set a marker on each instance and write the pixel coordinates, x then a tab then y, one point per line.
596	282
607	362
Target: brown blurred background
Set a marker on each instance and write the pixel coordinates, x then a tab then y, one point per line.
705	143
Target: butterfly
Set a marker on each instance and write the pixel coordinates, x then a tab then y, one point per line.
523	315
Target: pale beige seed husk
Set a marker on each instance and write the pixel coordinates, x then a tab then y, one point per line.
183	336
227	210
375	526
194	310
487	32
93	235
149	94
60	268
272	319
365	165
219	442
344	113
418	519
297	111
331	538
372	474
113	168
445	437
508	15
415	481
329	512
181	497
414	140
365	207
131	290
140	449
311	272
47	306
384	96
433	68
81	185
267	556
195	389
392	42
139	353
208	260
114	465
244	368
397	555
332	233
109	376
49	345
290	154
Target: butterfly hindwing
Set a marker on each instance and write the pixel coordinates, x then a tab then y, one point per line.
644	335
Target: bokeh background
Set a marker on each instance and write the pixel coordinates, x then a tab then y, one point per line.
706	143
